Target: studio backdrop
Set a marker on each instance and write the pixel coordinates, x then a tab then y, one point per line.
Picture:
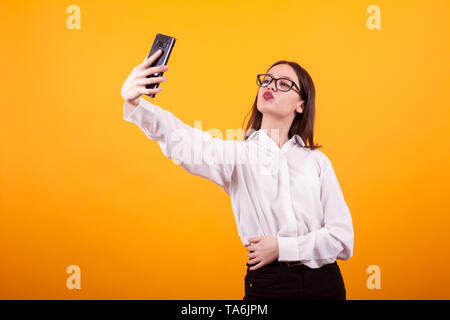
90	208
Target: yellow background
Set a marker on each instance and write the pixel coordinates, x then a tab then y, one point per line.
79	185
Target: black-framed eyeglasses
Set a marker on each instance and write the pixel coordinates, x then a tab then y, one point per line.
282	84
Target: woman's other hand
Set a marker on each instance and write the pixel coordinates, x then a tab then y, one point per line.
265	251
134	85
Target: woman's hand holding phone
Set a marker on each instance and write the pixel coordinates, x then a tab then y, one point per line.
134	85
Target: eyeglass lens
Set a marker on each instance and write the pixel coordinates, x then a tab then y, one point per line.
282	84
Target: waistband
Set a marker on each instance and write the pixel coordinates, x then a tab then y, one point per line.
277	265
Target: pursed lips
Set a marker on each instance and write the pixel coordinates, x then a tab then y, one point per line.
267	95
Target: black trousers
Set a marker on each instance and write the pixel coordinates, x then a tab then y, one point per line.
277	281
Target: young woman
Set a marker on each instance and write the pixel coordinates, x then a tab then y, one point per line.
289	208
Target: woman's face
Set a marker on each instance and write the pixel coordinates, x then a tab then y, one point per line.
283	104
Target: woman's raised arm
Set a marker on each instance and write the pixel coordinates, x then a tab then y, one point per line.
193	149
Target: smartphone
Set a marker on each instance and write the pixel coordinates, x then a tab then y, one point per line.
165	43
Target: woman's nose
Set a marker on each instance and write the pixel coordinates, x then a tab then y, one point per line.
272	85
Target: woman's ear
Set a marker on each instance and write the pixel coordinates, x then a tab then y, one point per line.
300	107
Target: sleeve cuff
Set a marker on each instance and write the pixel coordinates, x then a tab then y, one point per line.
287	249
129	111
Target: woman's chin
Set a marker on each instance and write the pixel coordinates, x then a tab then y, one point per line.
268	107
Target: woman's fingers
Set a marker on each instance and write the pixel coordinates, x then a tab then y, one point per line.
157	69
150	60
135	84
144	81
257	266
143	90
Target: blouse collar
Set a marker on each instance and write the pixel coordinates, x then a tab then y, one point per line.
295	137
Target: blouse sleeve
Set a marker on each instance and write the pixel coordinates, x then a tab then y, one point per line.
334	240
194	150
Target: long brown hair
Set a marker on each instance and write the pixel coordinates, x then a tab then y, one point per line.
303	123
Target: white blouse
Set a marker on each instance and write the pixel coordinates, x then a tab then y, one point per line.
291	192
